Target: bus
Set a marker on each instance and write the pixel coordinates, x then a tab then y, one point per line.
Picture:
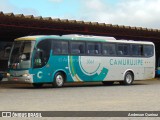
79	58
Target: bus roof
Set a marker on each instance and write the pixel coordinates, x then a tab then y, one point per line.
29	38
70	36
80	37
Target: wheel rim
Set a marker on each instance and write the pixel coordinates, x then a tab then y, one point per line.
129	78
59	80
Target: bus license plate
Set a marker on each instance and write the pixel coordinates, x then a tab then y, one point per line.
15	79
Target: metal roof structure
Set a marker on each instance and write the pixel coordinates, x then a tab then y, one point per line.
18	25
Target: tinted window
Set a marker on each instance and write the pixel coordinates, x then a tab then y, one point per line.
148	50
77	47
42	53
109	49
60	47
123	49
94	48
137	50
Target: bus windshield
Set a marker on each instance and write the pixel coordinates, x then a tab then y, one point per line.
20	57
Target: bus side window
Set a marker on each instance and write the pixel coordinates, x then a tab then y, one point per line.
64	47
148	50
93	48
78	48
137	50
123	49
120	52
108	49
42	53
60	47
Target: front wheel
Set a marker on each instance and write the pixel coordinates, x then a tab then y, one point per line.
128	79
58	80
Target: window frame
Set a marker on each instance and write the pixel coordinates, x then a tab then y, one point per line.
142	52
53	41
109	43
70	48
100	49
153	52
36	52
128	47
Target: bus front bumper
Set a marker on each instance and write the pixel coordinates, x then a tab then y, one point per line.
23	79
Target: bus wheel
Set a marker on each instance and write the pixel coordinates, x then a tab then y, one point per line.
128	79
37	85
58	80
108	82
1	77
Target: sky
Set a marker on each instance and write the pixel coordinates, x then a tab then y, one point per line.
136	13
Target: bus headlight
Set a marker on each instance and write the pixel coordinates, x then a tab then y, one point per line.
8	75
25	75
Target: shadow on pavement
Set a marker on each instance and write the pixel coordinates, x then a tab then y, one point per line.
13	85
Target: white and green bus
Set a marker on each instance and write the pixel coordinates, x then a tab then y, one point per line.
77	58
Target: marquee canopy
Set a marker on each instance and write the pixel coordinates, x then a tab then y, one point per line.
18	25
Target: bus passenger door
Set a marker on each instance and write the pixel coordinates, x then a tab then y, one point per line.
41	67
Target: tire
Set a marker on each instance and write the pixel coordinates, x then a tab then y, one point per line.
128	79
108	82
37	85
58	80
1	77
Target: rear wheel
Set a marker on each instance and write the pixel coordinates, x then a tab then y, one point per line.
37	85
58	80
108	82
128	79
